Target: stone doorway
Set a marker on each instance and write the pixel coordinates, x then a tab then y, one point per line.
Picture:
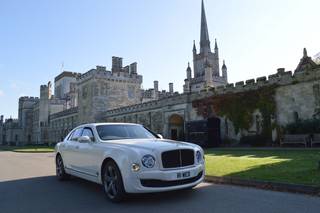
214	136
176	127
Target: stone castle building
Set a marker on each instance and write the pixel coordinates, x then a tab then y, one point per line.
209	109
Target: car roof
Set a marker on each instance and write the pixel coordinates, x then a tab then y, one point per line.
101	124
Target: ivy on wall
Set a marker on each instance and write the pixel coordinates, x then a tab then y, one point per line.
239	107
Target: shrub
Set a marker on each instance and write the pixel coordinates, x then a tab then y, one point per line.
310	126
255	140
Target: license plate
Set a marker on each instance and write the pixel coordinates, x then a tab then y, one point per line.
183	175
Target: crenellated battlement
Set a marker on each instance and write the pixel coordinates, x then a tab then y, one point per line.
57	101
165	101
282	77
67	112
28	98
102	73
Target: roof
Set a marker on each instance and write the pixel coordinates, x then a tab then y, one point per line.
66	74
100	124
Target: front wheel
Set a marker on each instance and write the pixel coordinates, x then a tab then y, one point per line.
60	172
112	182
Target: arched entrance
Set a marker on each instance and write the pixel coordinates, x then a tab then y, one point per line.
176	127
214	136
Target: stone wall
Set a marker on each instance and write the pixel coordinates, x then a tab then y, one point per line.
25	117
61	124
101	90
298	93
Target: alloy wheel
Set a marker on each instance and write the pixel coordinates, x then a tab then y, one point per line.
110	181
59	167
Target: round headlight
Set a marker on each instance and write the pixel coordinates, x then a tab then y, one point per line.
199	156
148	161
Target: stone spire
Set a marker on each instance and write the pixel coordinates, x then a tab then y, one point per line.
189	72
306	63
216	49
204	34
224	71
305	54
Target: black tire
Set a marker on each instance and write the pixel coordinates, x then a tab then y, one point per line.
60	172
112	182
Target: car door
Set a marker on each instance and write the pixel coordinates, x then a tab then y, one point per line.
89	154
65	150
72	150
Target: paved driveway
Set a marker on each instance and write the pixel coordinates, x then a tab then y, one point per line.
27	184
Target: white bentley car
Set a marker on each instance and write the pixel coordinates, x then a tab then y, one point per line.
128	158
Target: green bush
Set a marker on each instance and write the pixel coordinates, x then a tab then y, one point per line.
311	126
255	140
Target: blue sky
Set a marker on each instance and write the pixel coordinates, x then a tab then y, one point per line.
254	37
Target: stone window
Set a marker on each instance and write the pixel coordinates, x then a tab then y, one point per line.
131	93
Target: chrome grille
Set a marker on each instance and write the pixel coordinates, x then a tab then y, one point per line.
177	158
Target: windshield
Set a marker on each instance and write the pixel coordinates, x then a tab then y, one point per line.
118	132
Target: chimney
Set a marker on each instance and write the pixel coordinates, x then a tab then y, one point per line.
156	86
116	64
171	87
133	68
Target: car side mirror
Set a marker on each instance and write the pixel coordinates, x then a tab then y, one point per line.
84	139
160	136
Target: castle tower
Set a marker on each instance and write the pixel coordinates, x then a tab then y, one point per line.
204	59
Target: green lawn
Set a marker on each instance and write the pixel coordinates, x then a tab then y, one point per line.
285	166
28	149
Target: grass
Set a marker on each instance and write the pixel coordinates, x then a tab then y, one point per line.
28	149
283	166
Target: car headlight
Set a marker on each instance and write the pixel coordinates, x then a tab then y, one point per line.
199	157
148	161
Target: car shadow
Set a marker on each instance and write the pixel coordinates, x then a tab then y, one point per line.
47	194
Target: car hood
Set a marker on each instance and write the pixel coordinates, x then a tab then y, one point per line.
154	144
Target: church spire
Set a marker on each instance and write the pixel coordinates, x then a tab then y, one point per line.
305	54
204	34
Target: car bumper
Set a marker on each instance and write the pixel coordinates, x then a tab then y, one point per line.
167	180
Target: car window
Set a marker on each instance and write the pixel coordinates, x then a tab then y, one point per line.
88	132
70	136
119	132
76	134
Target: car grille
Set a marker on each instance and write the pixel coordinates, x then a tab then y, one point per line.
177	158
162	183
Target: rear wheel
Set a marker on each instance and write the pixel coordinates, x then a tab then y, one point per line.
60	172
112	182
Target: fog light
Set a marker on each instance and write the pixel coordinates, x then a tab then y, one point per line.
135	167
